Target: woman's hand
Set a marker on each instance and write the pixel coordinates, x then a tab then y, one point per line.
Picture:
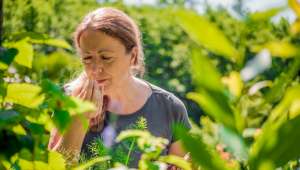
88	90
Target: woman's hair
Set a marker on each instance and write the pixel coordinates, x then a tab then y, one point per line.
117	24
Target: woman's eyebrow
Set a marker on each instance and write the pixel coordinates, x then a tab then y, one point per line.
104	50
99	51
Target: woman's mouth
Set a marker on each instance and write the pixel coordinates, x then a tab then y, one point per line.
101	82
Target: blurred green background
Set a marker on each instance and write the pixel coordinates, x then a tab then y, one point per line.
234	63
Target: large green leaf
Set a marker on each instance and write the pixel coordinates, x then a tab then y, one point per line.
25	53
27	95
277	145
42	39
207	34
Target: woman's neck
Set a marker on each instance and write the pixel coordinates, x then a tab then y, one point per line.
129	97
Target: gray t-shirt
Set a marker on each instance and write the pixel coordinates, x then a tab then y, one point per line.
161	110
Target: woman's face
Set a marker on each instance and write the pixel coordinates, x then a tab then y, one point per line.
105	59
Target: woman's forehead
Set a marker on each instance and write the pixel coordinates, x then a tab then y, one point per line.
97	41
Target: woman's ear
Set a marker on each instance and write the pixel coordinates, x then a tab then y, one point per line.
134	56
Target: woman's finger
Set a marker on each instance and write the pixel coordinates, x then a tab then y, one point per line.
89	90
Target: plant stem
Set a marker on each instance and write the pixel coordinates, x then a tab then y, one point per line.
129	152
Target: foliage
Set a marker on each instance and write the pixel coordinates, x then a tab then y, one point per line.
244	74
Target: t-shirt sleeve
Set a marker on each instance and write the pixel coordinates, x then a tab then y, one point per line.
180	117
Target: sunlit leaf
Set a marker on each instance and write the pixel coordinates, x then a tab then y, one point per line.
295	27
282	49
215	105
34	37
207	34
294	108
205	73
30	165
53	42
265	15
92	162
81	106
24	94
176	160
25	53
234	83
18	129
56	161
294	4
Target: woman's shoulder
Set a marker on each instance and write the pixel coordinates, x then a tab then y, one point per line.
166	97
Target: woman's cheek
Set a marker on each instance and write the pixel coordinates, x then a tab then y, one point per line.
89	73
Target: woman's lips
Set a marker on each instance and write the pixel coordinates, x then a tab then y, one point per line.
101	81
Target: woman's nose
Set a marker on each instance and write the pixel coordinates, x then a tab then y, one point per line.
97	67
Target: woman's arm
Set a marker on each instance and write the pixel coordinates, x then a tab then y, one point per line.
69	144
176	149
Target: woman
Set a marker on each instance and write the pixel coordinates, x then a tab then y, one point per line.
109	44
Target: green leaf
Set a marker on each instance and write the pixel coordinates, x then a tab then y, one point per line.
27	95
276	144
9	117
25	53
282	81
176	160
292	94
92	162
201	64
207	34
58	43
215	105
18	129
42	39
6	57
234	143
62	119
265	15
132	133
282	49
294	4
56	161
29	165
201	153
81	106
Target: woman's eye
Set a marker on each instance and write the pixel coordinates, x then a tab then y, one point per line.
87	59
105	58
